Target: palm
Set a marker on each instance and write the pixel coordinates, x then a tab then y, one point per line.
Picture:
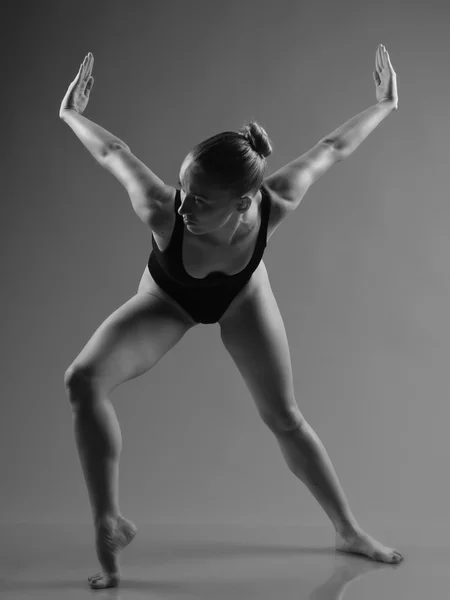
385	77
77	95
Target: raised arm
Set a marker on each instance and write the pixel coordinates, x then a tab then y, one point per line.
293	180
97	140
148	193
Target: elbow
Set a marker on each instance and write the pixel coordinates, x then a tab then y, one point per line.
337	144
113	146
340	149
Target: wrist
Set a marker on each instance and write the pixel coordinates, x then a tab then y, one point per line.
67	111
391	105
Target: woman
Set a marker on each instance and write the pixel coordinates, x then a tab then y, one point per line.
206	267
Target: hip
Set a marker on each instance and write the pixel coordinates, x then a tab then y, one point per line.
258	280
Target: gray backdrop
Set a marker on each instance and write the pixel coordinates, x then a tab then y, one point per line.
361	270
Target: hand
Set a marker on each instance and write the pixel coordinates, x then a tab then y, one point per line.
385	78
77	96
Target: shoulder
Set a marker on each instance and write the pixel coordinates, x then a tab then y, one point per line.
279	208
163	219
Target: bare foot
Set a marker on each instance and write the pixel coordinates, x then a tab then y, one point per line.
111	536
360	542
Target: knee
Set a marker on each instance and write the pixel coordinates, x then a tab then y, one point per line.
76	381
285	423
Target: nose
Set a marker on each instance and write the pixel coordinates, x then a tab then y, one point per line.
182	210
182	213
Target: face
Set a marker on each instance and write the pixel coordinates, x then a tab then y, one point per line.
206	206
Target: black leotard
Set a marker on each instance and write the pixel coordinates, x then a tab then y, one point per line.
204	299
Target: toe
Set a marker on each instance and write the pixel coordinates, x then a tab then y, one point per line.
103	580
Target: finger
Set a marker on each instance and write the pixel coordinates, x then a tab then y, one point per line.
383	55
78	75
389	61
377	59
89	66
85	65
88	87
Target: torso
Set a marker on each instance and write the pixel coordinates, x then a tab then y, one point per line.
200	259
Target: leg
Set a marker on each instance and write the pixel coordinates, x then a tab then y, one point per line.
253	333
127	344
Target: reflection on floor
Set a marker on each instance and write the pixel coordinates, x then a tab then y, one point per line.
218	562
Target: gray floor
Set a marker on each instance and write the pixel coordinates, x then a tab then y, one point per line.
223	561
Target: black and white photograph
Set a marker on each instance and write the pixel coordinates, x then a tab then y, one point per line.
225	255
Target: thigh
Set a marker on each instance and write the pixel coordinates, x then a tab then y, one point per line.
148	285
253	333
129	342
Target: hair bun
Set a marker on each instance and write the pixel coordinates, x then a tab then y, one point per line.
257	138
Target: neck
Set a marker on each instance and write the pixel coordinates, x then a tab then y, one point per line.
237	228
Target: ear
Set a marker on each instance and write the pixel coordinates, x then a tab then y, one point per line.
244	204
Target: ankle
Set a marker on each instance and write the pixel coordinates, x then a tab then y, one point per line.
347	528
106	519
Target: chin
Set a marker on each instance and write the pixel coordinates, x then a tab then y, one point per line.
191	226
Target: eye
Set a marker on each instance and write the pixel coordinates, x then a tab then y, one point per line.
196	199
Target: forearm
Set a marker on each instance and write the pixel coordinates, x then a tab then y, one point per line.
349	136
97	140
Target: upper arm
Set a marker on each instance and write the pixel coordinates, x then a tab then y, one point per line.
292	181
149	195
